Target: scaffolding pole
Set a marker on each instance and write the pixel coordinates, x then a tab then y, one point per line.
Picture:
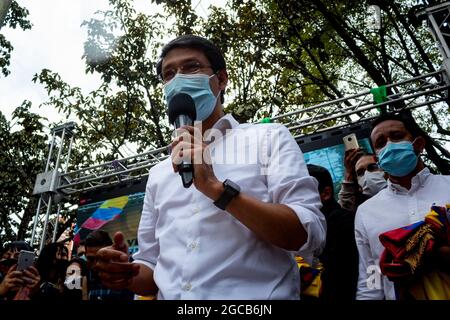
47	182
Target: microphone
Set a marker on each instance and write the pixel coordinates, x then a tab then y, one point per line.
182	113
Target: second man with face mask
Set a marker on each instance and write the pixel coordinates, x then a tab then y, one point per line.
410	193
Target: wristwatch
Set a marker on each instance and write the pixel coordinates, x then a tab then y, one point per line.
231	191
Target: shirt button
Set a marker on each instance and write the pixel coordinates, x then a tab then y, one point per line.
196	210
187	287
193	245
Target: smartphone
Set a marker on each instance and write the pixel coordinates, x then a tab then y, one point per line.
26	259
351	142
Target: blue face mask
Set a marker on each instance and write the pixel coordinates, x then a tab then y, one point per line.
197	86
398	158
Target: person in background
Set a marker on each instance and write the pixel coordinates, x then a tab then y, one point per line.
363	178
52	265
95	241
340	255
75	284
10	253
16	283
81	250
412	190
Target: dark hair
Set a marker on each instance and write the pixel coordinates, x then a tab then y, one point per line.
405	118
210	50
98	238
45	263
16	245
366	154
322	175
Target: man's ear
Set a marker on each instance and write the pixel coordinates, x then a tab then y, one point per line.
419	144
222	75
327	193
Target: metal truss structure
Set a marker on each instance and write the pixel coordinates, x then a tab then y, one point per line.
55	183
48	182
424	90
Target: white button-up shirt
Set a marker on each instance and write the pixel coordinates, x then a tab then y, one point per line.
198	251
392	208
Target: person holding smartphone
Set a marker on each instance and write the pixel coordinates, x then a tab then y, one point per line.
363	178
52	264
17	284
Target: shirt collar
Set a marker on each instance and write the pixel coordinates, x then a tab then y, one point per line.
416	182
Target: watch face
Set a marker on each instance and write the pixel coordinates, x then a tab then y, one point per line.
231	185
231	191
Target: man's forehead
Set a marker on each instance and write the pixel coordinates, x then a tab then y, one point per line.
177	55
366	159
387	126
10	252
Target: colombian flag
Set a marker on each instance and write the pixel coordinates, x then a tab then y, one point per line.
108	211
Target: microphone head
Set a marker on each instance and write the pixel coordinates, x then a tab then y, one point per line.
182	104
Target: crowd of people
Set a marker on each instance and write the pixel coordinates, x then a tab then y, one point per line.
237	231
56	276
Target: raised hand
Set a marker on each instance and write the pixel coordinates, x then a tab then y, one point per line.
112	264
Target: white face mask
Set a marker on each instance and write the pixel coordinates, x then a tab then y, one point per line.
372	182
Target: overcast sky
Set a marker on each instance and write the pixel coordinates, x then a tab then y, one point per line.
56	42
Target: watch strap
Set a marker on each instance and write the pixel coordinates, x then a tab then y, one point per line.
231	190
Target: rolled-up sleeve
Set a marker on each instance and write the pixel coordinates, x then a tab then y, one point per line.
148	247
289	183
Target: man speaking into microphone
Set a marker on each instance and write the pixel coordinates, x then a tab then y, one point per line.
232	233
